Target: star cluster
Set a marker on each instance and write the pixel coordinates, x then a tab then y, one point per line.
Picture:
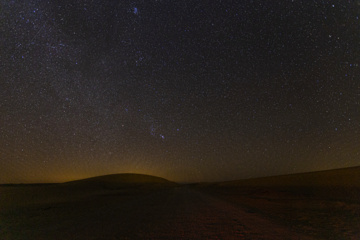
186	90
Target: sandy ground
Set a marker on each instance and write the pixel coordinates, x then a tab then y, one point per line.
163	213
323	213
182	212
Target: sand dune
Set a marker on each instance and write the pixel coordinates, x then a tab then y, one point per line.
345	177
121	180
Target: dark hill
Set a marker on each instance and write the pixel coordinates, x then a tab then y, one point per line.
121	180
344	177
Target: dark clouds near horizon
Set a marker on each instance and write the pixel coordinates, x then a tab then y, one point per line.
186	90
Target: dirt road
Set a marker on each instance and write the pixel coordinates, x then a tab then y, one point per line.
189	214
171	213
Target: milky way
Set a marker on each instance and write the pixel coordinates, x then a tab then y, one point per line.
189	91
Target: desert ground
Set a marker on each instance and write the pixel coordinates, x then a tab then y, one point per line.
320	205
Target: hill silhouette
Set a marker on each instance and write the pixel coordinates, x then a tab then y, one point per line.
121	180
343	177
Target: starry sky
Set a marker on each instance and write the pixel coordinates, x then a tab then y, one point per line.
186	90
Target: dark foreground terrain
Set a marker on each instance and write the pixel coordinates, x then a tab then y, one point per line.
119	207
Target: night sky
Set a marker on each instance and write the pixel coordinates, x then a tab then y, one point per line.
185	90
